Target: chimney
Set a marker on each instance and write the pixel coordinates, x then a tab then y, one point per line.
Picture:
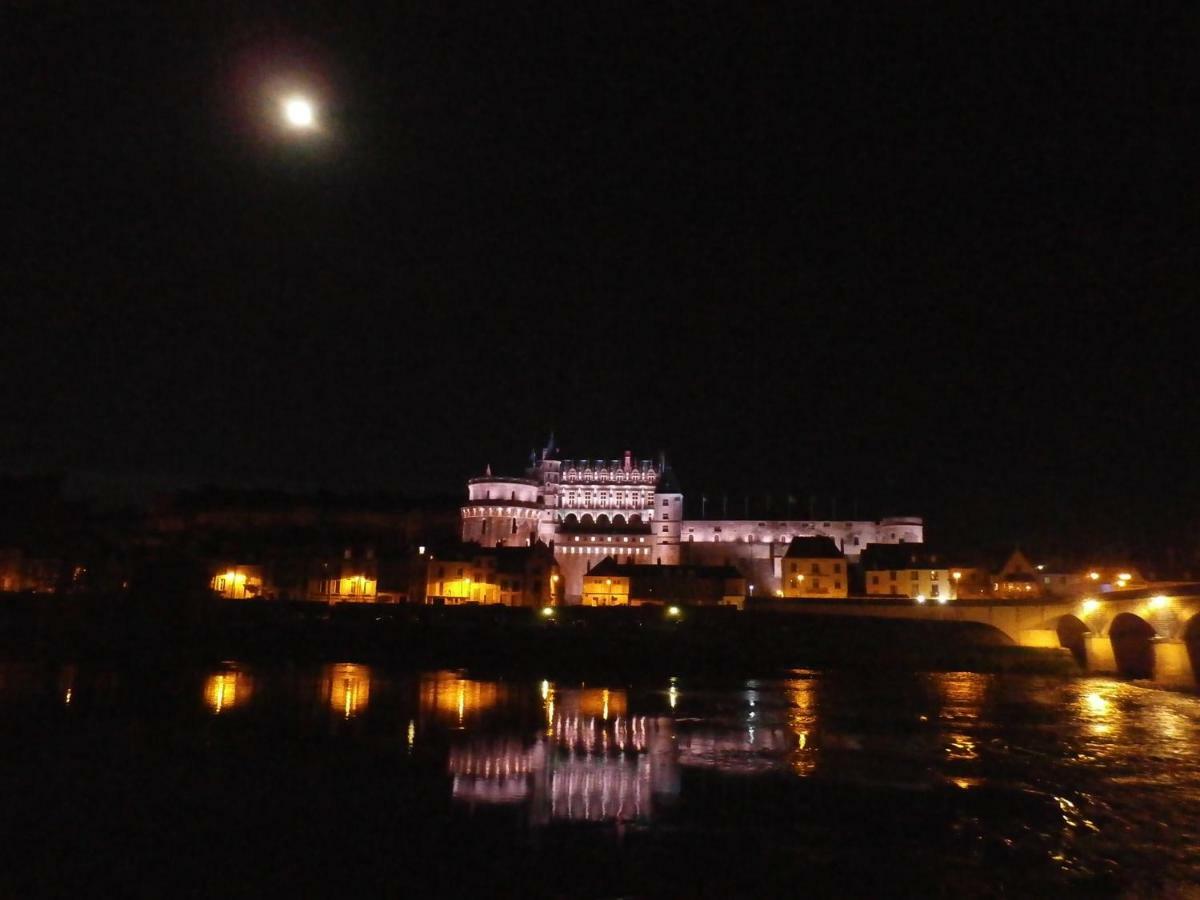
628	460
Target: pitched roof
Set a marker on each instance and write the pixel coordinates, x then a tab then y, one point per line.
876	557
813	547
667	482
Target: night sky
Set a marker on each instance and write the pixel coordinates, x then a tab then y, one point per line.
928	259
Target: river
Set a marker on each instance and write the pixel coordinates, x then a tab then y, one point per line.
354	780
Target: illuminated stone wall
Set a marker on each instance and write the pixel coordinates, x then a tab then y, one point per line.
502	512
851	537
590	509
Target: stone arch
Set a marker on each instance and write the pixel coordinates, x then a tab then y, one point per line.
571	519
1071	630
984	634
635	519
618	519
1191	637
602	519
1133	651
586	519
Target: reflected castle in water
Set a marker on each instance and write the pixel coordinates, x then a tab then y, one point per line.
593	762
596	763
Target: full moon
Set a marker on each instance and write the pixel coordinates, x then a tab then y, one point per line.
299	112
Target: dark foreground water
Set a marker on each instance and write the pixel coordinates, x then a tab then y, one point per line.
347	780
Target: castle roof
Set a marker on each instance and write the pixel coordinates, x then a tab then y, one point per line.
667	482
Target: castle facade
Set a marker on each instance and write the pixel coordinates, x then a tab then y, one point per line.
632	510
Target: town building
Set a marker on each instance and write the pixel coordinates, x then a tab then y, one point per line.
908	570
235	581
610	583
505	575
1018	579
633	511
34	573
1098	578
814	567
348	579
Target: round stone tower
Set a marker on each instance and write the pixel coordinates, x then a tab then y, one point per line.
501	511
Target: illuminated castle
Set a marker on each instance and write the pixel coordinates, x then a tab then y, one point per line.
632	510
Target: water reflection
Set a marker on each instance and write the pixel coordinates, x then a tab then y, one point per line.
962	693
66	683
587	768
1080	775
1098	708
226	689
448	696
348	686
802	718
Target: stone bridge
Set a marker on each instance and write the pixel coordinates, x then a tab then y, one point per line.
1153	633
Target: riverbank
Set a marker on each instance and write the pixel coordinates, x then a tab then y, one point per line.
570	642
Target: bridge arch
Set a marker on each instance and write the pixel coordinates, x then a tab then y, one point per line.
1132	646
1191	637
985	634
1071	630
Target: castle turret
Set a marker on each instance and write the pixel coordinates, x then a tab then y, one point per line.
501	511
